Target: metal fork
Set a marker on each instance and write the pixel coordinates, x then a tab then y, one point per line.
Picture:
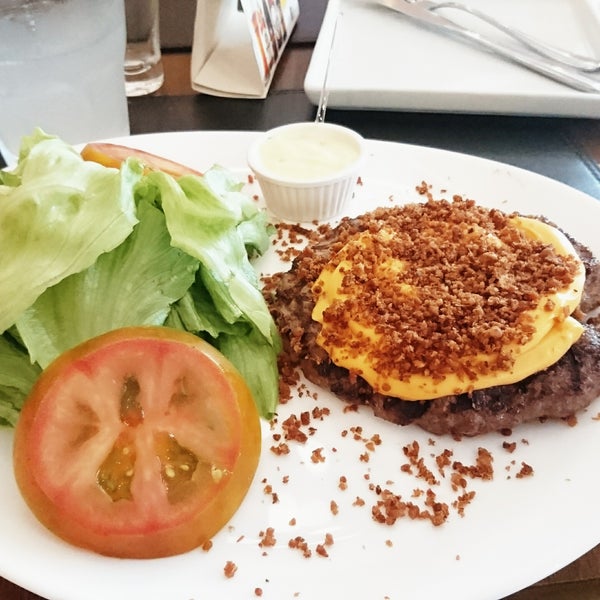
569	59
418	9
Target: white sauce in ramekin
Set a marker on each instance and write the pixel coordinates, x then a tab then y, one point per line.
308	151
307	171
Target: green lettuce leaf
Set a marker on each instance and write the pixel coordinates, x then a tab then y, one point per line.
90	249
58	213
246	348
203	217
256	360
17	376
196	312
209	218
135	284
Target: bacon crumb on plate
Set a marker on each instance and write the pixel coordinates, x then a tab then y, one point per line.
229	569
280	449
317	455
267	537
526	471
299	543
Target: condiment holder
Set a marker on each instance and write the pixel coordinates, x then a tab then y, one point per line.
307	171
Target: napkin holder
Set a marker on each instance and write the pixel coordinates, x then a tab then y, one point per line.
237	45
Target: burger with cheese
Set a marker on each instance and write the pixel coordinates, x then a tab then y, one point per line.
445	314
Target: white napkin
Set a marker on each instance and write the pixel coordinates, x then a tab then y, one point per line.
237	45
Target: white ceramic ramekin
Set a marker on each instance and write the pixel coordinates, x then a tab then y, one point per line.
307	171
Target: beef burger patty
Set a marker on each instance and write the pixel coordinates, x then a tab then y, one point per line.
558	392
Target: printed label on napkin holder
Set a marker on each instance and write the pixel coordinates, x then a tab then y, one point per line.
238	43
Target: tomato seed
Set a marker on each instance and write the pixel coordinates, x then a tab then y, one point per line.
177	463
216	473
116	471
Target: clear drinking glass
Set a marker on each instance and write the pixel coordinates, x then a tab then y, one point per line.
61	69
143	59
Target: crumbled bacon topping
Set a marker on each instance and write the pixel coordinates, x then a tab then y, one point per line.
299	543
390	507
316	455
229	569
526	471
509	446
267	537
470	294
483	468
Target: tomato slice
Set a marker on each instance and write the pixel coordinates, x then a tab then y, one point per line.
112	155
139	443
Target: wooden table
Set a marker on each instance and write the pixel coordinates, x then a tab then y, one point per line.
565	149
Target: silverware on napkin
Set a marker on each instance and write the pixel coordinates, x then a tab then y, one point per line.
541	60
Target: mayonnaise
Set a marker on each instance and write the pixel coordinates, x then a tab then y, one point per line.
309	151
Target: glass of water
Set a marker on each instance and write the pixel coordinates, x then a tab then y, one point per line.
61	69
144	72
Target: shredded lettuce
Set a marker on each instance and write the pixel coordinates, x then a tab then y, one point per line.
85	249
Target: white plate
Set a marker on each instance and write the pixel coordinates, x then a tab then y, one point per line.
515	532
384	60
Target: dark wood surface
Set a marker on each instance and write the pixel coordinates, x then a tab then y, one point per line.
565	149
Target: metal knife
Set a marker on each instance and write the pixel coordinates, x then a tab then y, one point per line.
524	58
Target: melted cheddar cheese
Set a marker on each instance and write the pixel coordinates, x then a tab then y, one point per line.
357	344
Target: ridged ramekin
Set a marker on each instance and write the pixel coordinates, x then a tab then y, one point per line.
306	198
